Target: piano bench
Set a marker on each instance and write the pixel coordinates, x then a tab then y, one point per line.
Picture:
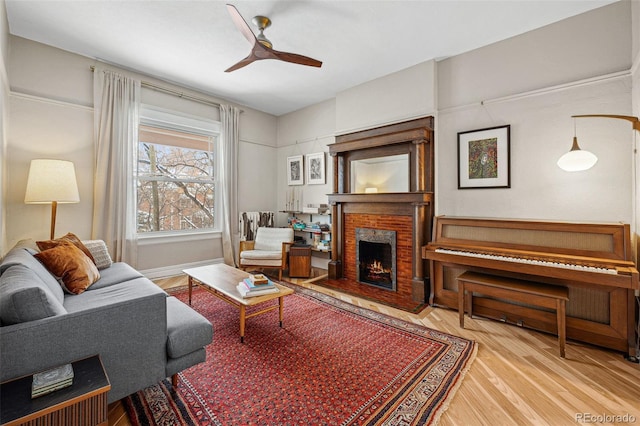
537	294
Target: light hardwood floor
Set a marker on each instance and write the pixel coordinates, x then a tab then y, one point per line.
517	377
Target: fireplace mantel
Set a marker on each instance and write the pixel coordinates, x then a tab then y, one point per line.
389	197
414	138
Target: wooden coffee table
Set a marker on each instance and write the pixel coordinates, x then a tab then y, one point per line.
221	281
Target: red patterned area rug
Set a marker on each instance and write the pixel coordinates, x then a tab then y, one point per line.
331	363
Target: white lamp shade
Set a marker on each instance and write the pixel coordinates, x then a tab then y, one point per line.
577	160
51	180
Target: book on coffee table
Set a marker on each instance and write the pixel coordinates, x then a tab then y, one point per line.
254	287
245	292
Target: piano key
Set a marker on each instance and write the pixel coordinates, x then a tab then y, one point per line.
531	261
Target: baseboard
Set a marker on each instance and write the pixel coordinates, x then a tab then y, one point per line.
173	270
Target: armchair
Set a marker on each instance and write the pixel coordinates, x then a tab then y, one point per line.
268	250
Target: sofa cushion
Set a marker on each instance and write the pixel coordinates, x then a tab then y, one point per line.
70	238
99	252
74	269
98	298
272	238
118	273
187	330
24	297
22	256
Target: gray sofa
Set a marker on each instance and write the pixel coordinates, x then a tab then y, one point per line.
141	334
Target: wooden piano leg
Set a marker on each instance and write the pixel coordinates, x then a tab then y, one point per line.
562	325
461	303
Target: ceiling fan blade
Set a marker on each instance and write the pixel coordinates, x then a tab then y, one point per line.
297	59
241	24
243	63
262	49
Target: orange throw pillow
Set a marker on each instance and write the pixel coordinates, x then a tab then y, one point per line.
73	269
70	237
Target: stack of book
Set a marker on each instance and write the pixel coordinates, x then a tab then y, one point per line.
319	227
51	380
249	288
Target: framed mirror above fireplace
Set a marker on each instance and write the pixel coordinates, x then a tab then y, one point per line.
389	173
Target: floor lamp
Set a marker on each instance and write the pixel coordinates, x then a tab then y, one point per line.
577	159
52	182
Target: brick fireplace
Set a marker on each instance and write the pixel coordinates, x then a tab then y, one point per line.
400	280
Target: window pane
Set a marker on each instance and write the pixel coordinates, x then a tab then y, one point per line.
174	206
174	162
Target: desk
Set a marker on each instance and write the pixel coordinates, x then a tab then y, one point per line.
83	403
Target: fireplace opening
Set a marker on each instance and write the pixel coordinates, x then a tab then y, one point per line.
375	254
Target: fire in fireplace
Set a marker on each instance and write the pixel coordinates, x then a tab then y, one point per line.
376	257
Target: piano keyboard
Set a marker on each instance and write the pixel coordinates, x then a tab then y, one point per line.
529	261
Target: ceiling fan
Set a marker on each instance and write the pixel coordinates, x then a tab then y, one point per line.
261	47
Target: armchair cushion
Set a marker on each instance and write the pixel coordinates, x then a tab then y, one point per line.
261	258
262	254
271	239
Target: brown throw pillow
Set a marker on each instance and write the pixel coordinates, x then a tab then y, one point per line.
70	237
73	269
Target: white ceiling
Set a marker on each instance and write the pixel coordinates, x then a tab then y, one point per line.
192	42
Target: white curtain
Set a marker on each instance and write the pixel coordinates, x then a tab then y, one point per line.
229	117
116	103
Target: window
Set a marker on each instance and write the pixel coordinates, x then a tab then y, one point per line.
176	174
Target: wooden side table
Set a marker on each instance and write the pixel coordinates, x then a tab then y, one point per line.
83	403
300	261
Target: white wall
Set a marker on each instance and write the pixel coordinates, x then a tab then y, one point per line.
303	132
306	131
4	102
396	97
492	86
51	115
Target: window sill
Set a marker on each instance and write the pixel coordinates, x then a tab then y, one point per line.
177	237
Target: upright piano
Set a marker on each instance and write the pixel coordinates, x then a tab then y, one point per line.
593	261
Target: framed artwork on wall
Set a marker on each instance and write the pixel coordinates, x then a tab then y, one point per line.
484	159
295	171
315	169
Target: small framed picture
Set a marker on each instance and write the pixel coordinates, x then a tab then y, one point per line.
315	168
483	158
295	171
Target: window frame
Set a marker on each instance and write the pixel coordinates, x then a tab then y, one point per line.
172	120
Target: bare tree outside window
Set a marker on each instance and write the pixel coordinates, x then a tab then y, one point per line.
176	188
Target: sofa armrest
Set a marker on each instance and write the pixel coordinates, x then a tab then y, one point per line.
128	333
